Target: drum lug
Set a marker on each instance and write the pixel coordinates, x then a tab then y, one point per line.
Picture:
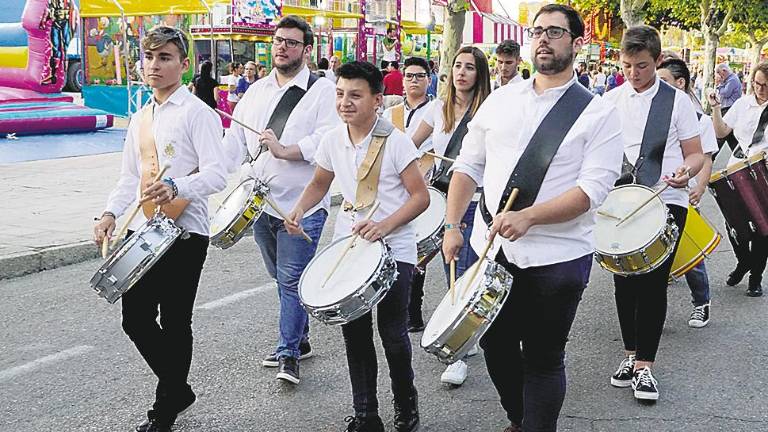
713	192
646	260
730	183
752	226
112	279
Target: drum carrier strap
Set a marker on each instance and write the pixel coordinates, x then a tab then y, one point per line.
760	131
285	106
398	116
534	163
369	171
647	169
150	166
442	177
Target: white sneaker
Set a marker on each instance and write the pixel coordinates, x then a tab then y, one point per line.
455	374
473	351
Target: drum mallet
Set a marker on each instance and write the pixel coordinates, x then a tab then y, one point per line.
350	244
640	207
285	217
488	244
452	286
447	159
138	206
237	121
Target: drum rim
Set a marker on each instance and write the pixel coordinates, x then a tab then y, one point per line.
738	166
440	227
379	266
243	206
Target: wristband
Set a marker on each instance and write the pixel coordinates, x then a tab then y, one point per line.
450	226
106	213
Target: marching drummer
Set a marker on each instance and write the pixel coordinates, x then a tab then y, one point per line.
747	119
346	152
547	242
660	132
294	109
469	84
406	116
675	72
176	128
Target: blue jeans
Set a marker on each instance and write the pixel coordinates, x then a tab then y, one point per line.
698	282
467	255
285	257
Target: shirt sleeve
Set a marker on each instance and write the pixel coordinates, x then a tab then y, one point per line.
205	133
234	145
429	115
471	158
707	134
603	155
732	116
404	151
686	121
323	153
126	191
326	119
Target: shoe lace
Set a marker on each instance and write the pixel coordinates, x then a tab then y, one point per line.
698	313
626	366
352	423
645	378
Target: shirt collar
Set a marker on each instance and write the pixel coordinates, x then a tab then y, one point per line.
753	101
421	105
364	142
177	98
300	80
650	92
552	92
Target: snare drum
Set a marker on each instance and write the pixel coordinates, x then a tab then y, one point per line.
135	257
699	239
643	242
741	192
429	227
238	212
455	328
359	283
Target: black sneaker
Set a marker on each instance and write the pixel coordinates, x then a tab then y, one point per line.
153	425
736	276
699	316
416	325
755	288
407	414
645	385
361	423
289	370
623	376
304	348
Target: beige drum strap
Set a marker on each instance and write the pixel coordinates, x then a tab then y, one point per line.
368	174
150	167
398	116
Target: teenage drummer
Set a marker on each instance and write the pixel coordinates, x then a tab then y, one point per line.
562	150
293	109
402	194
747	119
674	72
661	143
183	132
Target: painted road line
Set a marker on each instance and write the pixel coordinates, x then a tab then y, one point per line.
235	297
13	372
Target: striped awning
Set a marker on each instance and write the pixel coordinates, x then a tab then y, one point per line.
490	28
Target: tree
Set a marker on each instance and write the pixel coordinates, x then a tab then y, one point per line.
632	12
715	18
453	31
752	19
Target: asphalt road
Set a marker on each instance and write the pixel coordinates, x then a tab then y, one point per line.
66	365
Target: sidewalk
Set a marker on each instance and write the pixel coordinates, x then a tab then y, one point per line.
48	210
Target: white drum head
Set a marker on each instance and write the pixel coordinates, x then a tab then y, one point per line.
433	217
232	206
637	231
446	313
357	267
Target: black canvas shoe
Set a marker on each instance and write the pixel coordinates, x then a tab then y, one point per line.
645	385
304	348
153	426
416	324
755	289
288	370
623	376
736	276
699	316
407	414
362	423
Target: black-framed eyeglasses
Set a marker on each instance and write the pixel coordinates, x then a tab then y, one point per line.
418	76
759	85
290	43
553	32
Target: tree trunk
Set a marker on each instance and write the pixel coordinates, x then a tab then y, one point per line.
632	12
712	30
453	31
756	50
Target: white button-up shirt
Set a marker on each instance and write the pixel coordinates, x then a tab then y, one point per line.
187	135
339	155
743	118
515	79
589	158
633	108
313	116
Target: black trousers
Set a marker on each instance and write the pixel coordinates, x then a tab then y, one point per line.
168	288
391	317
641	301
525	346
751	255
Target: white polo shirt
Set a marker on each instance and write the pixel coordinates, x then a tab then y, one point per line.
707	135
633	109
187	134
314	115
589	158
337	154
743	118
413	117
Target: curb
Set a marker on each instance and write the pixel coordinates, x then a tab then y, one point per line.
48	258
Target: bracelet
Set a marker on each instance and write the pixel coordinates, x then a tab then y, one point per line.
450	226
106	213
174	189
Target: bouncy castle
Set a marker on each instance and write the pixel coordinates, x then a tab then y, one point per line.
34	35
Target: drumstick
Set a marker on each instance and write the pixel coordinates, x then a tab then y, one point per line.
488	244
452	281
349	245
640	207
285	217
608	215
104	247
237	121
435	155
138	207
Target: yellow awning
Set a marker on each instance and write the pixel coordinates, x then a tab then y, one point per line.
99	8
310	12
